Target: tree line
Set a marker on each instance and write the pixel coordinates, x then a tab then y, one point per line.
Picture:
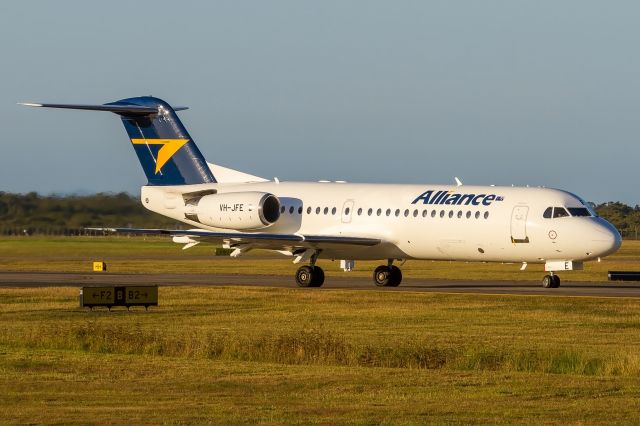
33	214
625	218
68	215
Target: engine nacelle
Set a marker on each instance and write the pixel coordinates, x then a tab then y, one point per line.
235	210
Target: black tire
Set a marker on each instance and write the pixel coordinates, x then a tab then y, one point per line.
317	278
556	281
547	281
396	277
387	276
304	276
382	276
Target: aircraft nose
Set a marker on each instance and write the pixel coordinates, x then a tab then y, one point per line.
608	239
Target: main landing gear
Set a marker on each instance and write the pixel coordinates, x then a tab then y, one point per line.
313	276
310	275
387	275
551	281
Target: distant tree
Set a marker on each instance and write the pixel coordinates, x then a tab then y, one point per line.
625	218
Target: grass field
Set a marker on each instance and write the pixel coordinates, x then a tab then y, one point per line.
230	355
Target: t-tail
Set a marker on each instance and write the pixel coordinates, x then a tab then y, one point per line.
167	153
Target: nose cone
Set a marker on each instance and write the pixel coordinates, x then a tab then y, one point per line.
607	239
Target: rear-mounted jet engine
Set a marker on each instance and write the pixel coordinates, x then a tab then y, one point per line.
235	210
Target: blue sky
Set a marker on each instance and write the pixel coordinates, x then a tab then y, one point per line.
495	92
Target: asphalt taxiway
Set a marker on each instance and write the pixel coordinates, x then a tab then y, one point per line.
68	279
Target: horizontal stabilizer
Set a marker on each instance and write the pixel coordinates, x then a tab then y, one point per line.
167	153
118	109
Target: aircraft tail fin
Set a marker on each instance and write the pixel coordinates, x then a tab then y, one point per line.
167	153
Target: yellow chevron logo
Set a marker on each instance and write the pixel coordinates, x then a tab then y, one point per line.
169	147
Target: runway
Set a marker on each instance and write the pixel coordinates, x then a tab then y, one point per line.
66	279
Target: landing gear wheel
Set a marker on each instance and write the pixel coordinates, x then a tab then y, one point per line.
317	278
387	276
381	276
309	276
304	276
547	281
556	281
396	276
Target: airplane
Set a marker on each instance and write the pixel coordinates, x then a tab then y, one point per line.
350	221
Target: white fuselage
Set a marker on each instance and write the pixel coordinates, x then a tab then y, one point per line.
471	223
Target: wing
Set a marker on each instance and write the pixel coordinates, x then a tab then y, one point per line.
287	242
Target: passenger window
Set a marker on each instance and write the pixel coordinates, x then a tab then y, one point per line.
317	210
359	211
369	212
477	215
450	214
397	212
441	213
415	213
379	212
291	210
326	210
424	213
308	210
282	209
388	212
347	211
459	214
334	210
433	213
406	213
468	215
559	212
486	215
548	213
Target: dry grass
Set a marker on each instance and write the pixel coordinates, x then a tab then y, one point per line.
245	355
417	331
229	355
68	388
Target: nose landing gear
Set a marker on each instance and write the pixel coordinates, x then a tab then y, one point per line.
551	281
387	275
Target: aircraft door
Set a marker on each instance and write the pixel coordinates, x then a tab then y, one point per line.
347	211
519	224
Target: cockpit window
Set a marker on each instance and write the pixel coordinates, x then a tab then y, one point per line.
555	212
591	207
559	212
579	211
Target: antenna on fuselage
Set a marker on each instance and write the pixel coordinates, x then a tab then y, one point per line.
458	181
